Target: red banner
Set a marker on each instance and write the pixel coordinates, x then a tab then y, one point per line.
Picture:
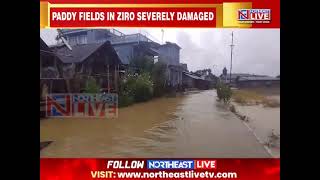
87	169
137	17
147	13
274	2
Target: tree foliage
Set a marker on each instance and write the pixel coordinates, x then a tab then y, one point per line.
92	86
142	63
159	78
139	87
224	92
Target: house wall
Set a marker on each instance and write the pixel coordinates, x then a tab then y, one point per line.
77	38
169	54
187	81
76	75
99	35
184	66
126	51
202	84
91	36
50	66
175	77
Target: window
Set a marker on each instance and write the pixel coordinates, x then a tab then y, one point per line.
82	39
72	40
156	59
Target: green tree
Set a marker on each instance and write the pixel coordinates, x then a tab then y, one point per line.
159	78
224	92
92	86
125	97
143	88
142	63
139	87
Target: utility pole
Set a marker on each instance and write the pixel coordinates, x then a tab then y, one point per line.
162	36
232	45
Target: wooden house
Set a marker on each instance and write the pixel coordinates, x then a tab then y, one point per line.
84	61
50	70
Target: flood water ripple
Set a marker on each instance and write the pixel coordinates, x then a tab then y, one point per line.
190	125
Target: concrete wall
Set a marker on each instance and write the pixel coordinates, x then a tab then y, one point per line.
93	36
174	77
189	82
169	54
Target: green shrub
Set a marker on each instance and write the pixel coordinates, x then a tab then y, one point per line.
143	88
142	63
139	87
92	86
159	78
224	92
125	100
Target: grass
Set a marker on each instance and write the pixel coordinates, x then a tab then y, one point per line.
247	97
270	103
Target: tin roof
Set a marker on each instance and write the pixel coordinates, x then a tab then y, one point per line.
79	53
259	78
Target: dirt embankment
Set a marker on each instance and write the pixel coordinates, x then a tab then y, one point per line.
260	111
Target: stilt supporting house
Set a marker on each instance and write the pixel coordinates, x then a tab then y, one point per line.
108	75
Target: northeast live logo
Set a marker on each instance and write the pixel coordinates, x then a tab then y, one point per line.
181	164
254	15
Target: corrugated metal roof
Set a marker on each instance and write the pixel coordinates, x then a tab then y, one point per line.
43	45
171	44
67	31
123	54
259	78
155	51
192	76
79	52
241	75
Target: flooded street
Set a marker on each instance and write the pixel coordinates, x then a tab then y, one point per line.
262	121
191	125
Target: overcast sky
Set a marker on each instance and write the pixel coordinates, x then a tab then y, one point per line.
256	51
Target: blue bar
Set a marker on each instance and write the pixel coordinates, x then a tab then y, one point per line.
170	164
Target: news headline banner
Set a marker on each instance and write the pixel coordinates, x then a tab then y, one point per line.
86	169
160	13
137	17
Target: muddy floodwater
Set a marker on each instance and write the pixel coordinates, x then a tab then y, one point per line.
190	125
262	121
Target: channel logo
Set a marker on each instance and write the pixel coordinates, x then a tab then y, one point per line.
82	105
181	164
254	15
